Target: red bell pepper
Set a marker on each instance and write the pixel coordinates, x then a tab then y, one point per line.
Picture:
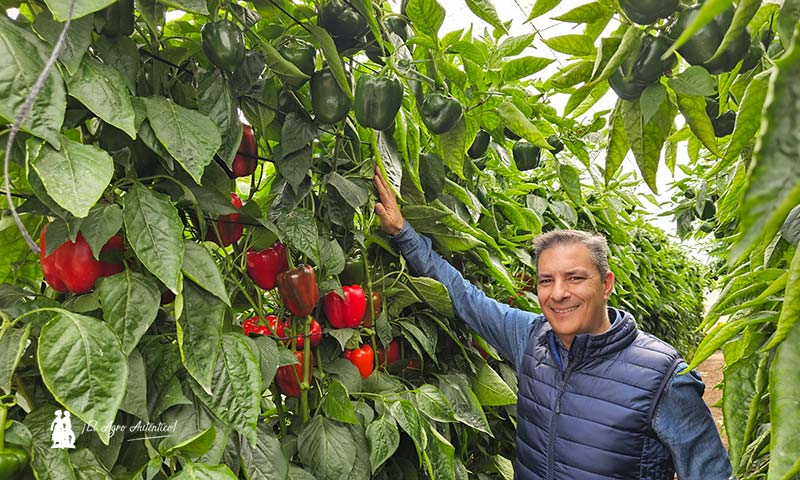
363	358
229	226
314	334
263	266
345	312
298	290
389	356
273	327
246	159
72	266
287	376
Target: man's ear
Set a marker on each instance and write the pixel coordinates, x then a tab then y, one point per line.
608	284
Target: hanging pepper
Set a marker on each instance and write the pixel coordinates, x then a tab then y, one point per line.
344	23
699	49
480	145
263	266
345	312
223	44
229	226
72	266
13	460
353	272
329	102
440	113
246	159
723	124
645	12
556	143
643	69
377	100
363	358
301	54
273	328
526	155
287	376
298	290
390	355
314	334
376	310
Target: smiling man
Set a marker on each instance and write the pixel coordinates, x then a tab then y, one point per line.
598	398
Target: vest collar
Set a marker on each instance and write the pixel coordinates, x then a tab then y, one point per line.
621	334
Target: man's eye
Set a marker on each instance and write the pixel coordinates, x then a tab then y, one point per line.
544	281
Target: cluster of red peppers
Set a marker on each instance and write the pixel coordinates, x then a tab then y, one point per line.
72	266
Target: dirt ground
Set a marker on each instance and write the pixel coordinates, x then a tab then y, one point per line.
711	371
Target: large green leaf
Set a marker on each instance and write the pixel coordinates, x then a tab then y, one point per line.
13	342
130	305
519	68
22	58
485	10
408	418
618	144
433	404
774	179
439	455
155	233
216	100
236	386
748	120
784	403
200	471
465	404
541	7
188	135
102	89
264	458
76	43
693	109
76	176
646	139
200	333
572	44
60	8
383	438
515	120
491	389
199	266
426	15
328	448
83	366
49	463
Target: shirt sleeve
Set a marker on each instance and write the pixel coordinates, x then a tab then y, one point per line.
504	327
683	422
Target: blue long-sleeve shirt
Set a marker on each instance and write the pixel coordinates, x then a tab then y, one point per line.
681	420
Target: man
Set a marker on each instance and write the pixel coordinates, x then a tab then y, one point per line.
598	398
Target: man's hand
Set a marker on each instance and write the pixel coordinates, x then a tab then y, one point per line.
386	207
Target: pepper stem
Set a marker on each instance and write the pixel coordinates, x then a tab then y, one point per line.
5	402
305	384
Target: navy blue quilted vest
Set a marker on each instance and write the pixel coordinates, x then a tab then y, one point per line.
592	420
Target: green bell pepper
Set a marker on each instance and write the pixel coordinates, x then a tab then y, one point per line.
118	19
223	44
300	53
344	23
377	100
526	155
329	102
480	145
645	12
440	113
699	49
556	143
642	70
723	124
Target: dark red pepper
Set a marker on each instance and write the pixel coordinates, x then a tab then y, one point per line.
314	334
271	327
264	266
376	310
363	358
288	375
389	356
298	289
72	266
229	226
246	159
345	312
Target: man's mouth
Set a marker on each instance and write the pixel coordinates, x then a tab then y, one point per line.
563	310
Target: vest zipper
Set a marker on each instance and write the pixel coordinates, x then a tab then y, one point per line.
557	410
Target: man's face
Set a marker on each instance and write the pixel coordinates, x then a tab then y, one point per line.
572	293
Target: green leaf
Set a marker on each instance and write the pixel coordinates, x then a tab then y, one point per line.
774	179
49	463
491	389
513	46
787	19
426	15
434	294
300	229
407	417
194	6
383	438
236	386
199	329
76	176
466	406
572	44
541	7
268	357
60	9
693	109
748	120
708	11
586	13
199	266
628	46
188	135
331	256
89	377
790	311
453	148
22	58
433	404
439	455
76	43
694	80
327	448
570	182
515	120
13	343
102	89
646	139
100	225
135	401
519	68
264	459
155	232
216	101
485	10
651	99
784	392
355	195
199	471
745	10
337	405
332	57
130	305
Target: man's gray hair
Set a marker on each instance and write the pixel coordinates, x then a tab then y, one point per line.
597	245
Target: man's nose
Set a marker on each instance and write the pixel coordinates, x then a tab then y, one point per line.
560	290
